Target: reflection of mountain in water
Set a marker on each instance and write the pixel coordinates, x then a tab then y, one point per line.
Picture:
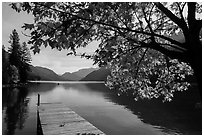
91	87
178	116
16	104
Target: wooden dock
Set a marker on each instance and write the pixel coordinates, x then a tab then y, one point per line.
58	119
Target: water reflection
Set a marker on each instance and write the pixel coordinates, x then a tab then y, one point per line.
113	114
15	105
177	117
41	87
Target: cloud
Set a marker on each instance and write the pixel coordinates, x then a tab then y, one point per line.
59	61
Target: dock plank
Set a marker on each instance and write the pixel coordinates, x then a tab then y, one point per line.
58	119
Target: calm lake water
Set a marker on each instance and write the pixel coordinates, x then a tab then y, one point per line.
96	103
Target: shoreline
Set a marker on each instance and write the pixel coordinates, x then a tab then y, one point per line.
14	85
61	82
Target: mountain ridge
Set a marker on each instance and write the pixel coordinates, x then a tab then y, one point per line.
68	76
97	75
84	72
43	73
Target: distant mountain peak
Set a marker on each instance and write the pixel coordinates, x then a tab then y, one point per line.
84	72
97	75
70	76
43	73
66	73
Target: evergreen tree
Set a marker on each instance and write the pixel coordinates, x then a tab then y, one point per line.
14	56
13	74
14	50
5	66
19	56
25	61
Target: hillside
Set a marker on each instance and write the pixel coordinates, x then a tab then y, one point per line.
70	76
97	75
84	72
40	73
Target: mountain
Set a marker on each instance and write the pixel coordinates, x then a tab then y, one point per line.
97	75
41	73
70	76
84	72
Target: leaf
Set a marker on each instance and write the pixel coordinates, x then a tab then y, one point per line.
70	53
39	42
28	26
16	6
36	49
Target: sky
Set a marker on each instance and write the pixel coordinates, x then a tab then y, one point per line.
56	60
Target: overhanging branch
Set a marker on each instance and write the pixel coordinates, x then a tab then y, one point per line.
117	27
180	22
170	53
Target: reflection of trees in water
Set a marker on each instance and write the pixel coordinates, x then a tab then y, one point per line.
41	87
97	87
16	105
179	116
168	117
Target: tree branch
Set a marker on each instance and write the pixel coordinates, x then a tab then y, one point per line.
118	17
181	23
83	33
170	53
117	27
149	25
180	11
150	13
141	60
191	14
140	22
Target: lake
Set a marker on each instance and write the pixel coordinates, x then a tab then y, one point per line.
103	108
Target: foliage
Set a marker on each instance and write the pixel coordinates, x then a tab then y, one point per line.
155	76
5	66
14	74
14	50
150	36
19	56
25	62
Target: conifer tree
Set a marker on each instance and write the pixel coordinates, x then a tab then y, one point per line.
14	50
19	56
25	62
5	66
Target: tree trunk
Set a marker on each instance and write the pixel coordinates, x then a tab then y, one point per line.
195	60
